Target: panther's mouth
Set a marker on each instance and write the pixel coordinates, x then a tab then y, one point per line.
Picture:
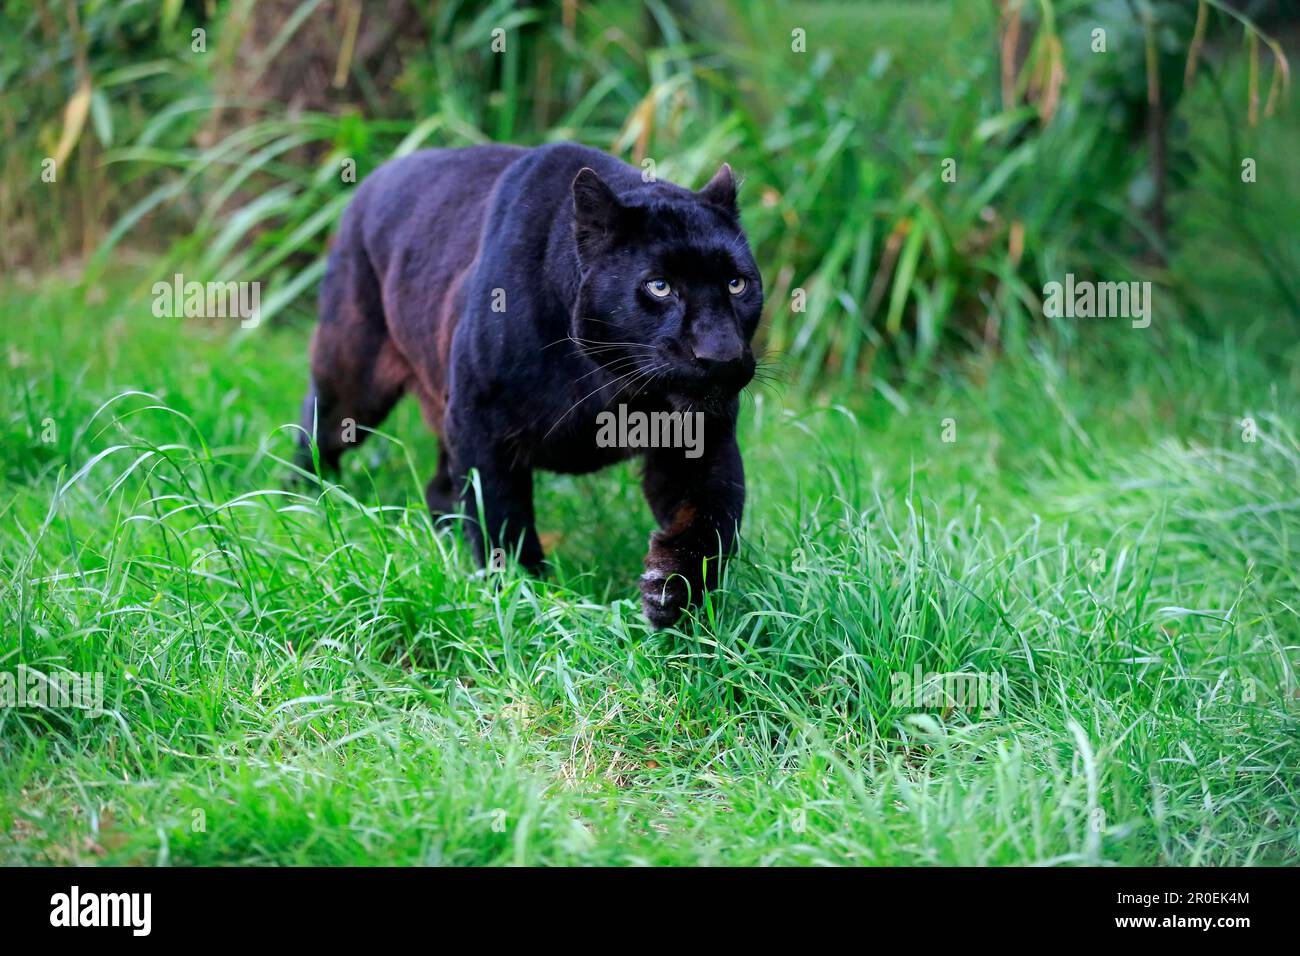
710	398
712	390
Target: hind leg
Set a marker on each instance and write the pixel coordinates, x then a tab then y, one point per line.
440	493
342	405
357	373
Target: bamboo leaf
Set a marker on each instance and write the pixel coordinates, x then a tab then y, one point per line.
74	120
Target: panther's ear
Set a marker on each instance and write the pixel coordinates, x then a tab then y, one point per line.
721	189
596	211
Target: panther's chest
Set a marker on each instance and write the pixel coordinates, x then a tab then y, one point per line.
579	449
595	437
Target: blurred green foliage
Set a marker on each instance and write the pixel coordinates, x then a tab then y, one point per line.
912	172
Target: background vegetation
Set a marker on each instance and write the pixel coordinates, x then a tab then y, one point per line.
317	676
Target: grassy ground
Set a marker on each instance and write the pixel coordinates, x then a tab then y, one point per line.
317	677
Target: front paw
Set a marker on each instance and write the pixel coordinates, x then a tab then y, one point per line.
673	580
664	596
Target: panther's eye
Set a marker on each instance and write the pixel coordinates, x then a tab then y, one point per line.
736	286
658	288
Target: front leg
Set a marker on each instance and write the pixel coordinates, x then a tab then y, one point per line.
507	500
698	504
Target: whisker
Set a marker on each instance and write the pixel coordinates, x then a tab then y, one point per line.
613	325
587	396
634	382
606	346
608	366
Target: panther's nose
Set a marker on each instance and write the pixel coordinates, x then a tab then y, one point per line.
724	360
714	362
718	350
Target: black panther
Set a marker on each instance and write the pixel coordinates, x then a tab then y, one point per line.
518	293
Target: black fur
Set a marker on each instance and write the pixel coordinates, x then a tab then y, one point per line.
562	238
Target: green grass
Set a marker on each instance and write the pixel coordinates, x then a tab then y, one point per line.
318	676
